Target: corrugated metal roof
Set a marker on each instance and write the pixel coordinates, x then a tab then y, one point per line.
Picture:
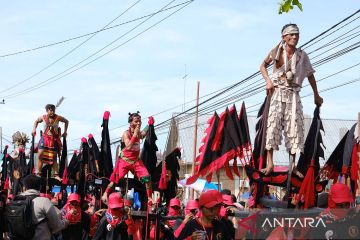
334	131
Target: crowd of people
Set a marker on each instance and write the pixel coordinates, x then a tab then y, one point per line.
214	215
211	216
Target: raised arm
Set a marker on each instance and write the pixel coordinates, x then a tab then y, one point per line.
130	142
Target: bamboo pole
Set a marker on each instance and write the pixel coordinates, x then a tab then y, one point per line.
195	135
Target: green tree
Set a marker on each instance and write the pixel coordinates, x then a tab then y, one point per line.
287	5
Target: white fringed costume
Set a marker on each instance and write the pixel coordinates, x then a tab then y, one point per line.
286	111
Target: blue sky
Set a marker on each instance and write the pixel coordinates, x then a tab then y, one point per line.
221	42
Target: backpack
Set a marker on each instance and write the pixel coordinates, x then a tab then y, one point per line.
19	217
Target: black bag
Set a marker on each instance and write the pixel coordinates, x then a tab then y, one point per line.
19	217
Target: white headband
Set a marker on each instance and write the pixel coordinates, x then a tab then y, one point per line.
290	30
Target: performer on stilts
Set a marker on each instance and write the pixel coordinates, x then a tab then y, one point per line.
290	67
50	144
128	159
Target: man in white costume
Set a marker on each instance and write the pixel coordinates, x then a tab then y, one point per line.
290	67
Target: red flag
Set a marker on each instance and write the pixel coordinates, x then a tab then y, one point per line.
162	182
228	171
312	150
6	185
355	163
206	142
65	177
221	144
307	190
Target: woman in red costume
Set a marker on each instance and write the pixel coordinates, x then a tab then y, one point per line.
128	159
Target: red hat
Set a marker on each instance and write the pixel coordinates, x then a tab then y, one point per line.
227	200
174	202
192	204
73	197
210	199
340	193
127	202
115	200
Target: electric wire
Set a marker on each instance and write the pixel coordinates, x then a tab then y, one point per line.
53	79
69	52
87	34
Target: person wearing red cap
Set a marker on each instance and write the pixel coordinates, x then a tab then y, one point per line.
227	214
207	226
167	227
340	221
72	212
191	211
112	226
174	210
128	159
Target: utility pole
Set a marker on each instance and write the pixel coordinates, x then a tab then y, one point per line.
195	135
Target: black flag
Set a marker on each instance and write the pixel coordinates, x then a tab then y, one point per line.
105	153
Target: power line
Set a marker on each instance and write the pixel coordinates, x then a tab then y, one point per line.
243	95
261	87
53	79
158	113
116	140
207	113
254	75
337	39
329	29
69	52
35	87
325	89
166	122
258	73
251	92
87	34
333	28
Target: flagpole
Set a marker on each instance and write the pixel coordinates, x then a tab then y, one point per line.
195	135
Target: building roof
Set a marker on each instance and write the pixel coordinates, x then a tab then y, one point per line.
184	135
